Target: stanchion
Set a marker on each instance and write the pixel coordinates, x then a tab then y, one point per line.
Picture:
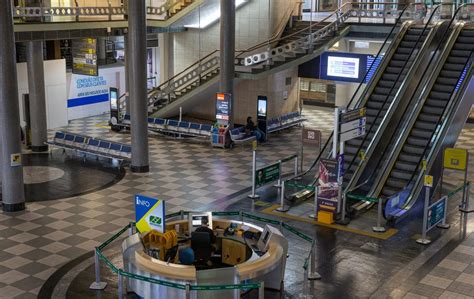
315	208
379	228
97	284
130	230
120	285
261	291
282	207
424	240
313	275
188	291
278	184
254	170
465	205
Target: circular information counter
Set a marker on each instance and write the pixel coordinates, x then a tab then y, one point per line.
242	257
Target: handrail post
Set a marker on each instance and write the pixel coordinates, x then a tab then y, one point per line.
97	284
296	165
315	208
379	228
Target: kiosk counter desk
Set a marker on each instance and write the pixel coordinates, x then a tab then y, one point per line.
242	253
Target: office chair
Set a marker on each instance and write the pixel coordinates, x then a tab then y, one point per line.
201	244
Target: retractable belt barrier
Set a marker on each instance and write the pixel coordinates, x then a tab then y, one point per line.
99	255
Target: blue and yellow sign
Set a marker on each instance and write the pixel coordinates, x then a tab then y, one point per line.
149	214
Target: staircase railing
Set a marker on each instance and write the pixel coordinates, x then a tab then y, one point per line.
109	12
350	10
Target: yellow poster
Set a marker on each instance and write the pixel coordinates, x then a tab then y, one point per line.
455	158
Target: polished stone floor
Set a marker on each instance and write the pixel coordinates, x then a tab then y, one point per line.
52	239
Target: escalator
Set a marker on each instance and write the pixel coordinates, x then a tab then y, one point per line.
384	92
419	139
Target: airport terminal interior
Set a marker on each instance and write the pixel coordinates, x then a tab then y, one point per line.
236	149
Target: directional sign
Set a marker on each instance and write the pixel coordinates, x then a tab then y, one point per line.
349	135
437	212
84	57
352	115
312	137
353	124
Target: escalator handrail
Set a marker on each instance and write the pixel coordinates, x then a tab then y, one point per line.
428	23
425	73
330	138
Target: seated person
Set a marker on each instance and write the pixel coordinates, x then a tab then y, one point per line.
252	130
204	228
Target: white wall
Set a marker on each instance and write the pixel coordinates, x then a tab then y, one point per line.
89	96
56	94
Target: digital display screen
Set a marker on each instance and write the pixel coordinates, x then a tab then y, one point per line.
197	220
113	99
223	108
345	67
262	107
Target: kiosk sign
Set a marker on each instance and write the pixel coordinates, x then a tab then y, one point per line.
149	214
223	108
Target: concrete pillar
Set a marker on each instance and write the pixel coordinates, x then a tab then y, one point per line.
127	73
101	50
13	194
166	48
36	87
138	85
227	53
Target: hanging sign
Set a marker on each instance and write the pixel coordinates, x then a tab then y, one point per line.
84	57
149	214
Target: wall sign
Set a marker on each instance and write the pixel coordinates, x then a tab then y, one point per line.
15	160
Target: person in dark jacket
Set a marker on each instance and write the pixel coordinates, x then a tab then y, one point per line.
252	130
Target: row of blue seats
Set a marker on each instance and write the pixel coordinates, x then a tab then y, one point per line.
238	135
174	126
284	122
90	145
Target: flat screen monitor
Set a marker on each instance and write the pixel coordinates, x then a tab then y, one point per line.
344	67
262	243
262	107
196	220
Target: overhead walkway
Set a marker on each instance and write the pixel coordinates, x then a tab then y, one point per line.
277	54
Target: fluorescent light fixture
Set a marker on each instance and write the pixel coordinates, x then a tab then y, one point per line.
213	16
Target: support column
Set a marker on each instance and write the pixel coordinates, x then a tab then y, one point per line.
13	194
166	46
39	126
227	52
127	73
138	85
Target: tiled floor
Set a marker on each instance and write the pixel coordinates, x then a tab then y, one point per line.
189	176
452	278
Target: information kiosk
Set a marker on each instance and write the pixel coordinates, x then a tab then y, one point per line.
242	253
114	108
262	109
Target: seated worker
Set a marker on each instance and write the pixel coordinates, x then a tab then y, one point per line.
204	228
252	130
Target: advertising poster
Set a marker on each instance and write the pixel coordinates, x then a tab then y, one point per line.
223	108
328	191
267	175
149	214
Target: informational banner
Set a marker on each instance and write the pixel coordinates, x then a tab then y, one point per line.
149	214
223	108
84	57
437	212
328	171
266	175
455	158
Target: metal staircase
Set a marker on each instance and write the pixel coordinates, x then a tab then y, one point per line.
275	54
